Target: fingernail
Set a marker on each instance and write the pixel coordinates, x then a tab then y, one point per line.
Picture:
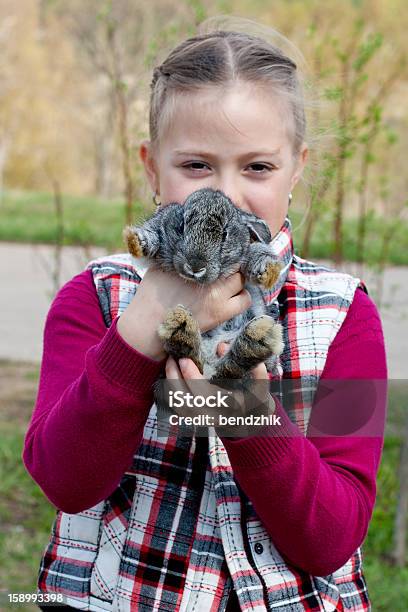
183	363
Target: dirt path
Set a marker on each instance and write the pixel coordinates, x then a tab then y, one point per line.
25	303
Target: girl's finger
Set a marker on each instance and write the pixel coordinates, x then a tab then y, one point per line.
190	373
189	369
172	370
222	348
260	372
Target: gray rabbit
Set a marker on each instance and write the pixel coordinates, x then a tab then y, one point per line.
207	238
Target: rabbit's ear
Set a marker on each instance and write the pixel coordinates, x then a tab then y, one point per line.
258	228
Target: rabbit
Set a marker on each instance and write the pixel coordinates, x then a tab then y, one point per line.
207	238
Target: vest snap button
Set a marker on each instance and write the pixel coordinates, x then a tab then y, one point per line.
258	548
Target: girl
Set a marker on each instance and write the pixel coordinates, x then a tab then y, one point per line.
177	523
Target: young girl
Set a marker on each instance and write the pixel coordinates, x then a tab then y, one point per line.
194	523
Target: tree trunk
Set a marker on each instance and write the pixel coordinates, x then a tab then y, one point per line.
59	238
126	154
3	159
338	215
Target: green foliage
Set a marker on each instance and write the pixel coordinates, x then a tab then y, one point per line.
334	93
151	52
367	50
200	11
311	29
370	158
391	135
387	586
105	12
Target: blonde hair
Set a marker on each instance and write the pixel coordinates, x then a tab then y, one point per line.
220	58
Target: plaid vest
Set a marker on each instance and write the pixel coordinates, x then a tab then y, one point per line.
178	532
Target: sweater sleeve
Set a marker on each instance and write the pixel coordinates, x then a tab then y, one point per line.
94	396
315	496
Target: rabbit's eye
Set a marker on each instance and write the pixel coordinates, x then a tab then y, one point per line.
225	234
181	226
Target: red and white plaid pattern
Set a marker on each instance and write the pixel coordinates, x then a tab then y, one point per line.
178	531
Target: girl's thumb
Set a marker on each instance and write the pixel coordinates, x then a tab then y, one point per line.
222	348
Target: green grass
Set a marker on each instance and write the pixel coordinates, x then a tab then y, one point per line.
25	519
30	217
26	516
322	246
387	585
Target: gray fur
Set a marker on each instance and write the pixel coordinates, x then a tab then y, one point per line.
205	239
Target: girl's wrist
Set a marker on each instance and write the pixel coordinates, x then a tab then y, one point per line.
141	336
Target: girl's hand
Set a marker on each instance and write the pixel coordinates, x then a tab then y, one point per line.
187	371
159	291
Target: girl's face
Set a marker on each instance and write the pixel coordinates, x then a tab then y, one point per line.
238	142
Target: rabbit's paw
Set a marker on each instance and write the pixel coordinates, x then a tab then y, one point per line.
270	275
260	340
264	337
180	334
178	326
135	245
264	271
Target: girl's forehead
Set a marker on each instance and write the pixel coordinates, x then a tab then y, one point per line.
238	116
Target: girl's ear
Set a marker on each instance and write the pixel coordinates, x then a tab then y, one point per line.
150	166
300	165
258	229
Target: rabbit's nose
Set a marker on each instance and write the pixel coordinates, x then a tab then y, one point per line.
195	271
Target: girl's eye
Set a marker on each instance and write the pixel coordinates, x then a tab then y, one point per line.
194	163
262	166
268	168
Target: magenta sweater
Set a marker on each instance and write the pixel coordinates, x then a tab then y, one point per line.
315	496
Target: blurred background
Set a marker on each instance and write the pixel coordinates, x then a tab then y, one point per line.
74	94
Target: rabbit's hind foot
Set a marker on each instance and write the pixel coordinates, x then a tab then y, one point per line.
181	336
260	340
262	337
227	368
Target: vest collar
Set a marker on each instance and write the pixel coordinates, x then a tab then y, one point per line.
282	247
